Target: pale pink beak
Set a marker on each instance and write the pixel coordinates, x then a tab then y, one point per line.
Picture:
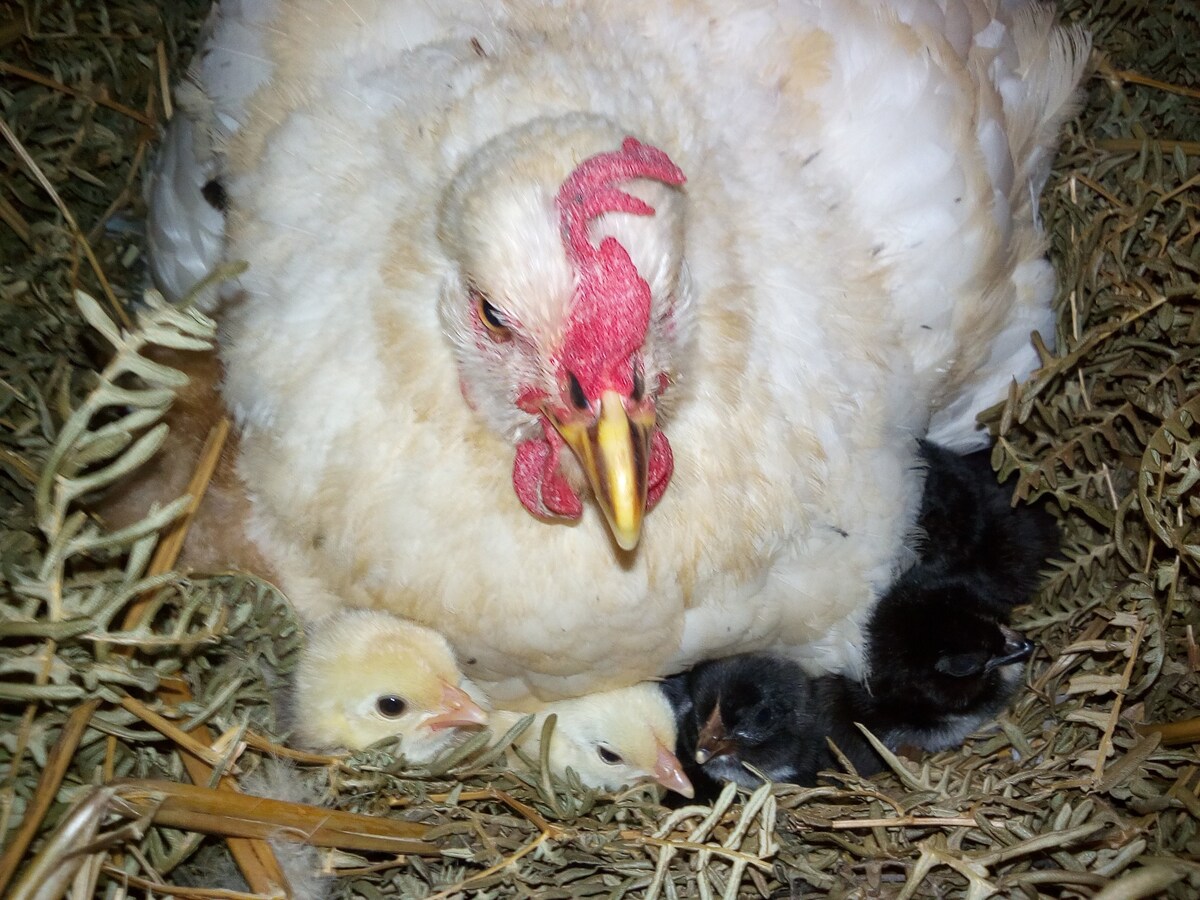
669	773
460	710
712	740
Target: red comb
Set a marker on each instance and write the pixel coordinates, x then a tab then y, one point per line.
611	310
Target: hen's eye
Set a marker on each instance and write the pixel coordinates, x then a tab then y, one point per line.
639	384
390	705
608	757
491	317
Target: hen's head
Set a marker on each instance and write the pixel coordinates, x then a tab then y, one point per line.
568	308
365	675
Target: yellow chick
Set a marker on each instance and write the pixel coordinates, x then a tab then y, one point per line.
611	739
365	675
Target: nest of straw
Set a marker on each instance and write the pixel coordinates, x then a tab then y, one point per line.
137	736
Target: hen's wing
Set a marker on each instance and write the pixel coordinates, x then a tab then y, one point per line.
185	193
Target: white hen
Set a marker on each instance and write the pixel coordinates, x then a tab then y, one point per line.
475	305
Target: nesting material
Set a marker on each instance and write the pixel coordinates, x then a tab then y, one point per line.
134	701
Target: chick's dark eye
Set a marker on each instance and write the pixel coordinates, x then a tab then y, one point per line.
961	665
491	317
390	705
608	757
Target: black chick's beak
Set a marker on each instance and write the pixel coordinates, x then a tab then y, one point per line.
1017	648
713	741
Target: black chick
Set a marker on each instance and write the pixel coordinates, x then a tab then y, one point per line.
939	661
970	529
939	664
939	656
764	711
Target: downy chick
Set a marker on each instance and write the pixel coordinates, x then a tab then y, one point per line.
940	662
940	657
970	529
610	739
763	711
366	675
940	665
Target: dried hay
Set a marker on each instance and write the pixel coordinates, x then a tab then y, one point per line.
132	700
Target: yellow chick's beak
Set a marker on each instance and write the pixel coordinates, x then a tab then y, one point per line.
712	740
669	773
614	451
459	710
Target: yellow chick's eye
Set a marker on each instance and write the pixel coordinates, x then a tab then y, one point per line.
491	317
608	756
390	706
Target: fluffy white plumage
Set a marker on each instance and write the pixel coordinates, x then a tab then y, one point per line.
854	262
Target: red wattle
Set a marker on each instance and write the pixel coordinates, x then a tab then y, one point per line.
538	482
662	464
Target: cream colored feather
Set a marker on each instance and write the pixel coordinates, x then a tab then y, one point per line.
610	739
365	676
854	261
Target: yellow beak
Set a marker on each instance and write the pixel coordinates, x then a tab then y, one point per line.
614	451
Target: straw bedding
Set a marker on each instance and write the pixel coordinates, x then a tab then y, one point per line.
136	713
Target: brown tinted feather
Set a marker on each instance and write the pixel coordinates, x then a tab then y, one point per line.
217	539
